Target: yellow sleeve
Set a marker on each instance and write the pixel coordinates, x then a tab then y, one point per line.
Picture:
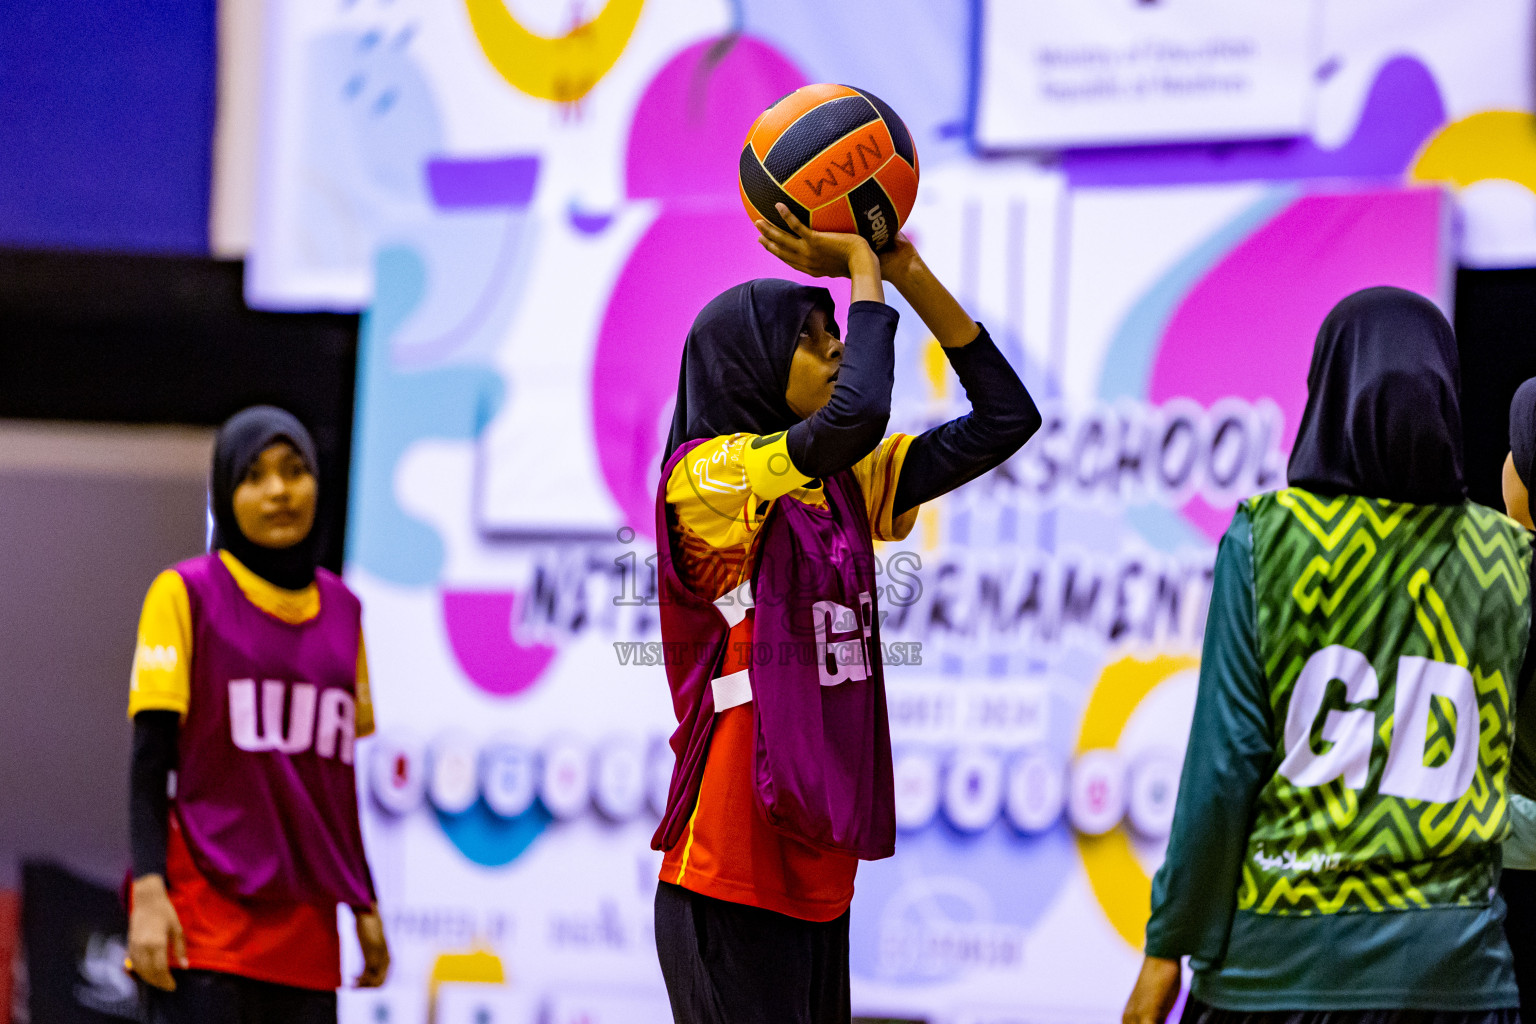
770	471
162	660
364	698
877	474
722	490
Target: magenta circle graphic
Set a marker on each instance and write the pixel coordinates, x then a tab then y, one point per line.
684	145
479	628
1246	330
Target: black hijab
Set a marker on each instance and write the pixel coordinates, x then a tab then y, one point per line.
1522	431
736	362
243	437
1382	419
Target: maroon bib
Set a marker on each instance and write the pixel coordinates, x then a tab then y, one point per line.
822	749
265	792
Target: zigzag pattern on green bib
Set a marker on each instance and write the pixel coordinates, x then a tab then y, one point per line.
1385	579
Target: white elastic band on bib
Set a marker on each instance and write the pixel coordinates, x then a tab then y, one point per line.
734	689
734	604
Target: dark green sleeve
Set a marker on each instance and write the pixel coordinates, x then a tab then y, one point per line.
1228	760
1522	768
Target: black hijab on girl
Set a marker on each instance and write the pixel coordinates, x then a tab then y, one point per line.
1522	431
243	437
735	366
1383	418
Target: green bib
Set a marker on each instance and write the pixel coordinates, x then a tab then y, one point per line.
1391	636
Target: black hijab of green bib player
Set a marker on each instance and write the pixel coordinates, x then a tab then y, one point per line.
242	438
1522	431
1383	417
735	366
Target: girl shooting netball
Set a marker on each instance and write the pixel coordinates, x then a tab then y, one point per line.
778	475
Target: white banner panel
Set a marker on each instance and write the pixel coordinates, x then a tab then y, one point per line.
1102	72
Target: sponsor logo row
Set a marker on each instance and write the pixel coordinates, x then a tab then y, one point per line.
625	778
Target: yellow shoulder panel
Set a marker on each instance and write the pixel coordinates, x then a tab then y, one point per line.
162	660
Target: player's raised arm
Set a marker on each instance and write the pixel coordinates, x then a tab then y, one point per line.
1002	416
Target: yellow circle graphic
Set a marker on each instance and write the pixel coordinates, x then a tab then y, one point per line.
1119	882
562	69
1493	144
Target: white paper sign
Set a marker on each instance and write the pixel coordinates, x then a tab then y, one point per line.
1108	72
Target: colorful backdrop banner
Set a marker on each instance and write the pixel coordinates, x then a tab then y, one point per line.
533	201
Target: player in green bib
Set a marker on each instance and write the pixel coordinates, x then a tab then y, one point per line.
1336	844
1518	884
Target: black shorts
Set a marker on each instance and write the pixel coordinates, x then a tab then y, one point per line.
726	963
213	997
1196	1012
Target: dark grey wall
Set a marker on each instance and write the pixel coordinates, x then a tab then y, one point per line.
112	338
88	516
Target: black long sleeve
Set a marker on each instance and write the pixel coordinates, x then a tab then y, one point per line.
852	424
155	735
1002	418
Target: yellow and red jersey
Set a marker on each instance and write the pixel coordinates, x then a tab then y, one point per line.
720	495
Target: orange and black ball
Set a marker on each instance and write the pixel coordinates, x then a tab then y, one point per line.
838	157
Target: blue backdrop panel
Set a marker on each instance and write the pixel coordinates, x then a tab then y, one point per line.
106	124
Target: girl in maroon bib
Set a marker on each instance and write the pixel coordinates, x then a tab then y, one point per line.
777	477
266	797
249	692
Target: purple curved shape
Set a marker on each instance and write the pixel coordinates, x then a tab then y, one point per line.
479	625
1402	110
1247	328
589	223
427	353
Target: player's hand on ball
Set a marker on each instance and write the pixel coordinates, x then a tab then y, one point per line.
898	259
1157	986
155	939
812	252
370	936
